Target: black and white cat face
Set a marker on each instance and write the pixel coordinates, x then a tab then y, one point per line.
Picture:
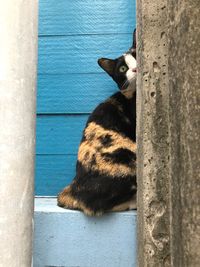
122	69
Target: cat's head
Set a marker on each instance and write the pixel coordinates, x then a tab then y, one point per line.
122	69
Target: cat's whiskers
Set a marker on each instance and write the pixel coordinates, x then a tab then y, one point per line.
124	85
128	82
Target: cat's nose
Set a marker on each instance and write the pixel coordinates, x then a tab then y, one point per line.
134	69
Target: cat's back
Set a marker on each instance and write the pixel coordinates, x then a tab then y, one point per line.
107	145
117	113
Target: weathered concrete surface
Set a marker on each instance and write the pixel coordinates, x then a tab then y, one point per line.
184	73
152	134
18	49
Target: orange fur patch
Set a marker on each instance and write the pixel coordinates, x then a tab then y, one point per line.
90	151
128	93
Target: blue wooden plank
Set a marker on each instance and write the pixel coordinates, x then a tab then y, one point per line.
70	239
59	134
79	54
80	17
53	173
72	93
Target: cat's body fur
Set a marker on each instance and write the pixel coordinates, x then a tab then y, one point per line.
106	167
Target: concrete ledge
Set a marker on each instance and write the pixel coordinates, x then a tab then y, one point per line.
65	238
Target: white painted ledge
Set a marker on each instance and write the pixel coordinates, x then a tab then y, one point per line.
66	238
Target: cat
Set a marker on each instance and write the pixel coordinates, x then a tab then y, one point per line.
106	166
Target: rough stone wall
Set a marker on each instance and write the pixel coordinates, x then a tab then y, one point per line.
152	134
168	133
184	86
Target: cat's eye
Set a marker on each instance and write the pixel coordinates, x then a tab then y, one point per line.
123	69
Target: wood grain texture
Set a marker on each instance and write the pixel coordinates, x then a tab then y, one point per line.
79	54
65	17
53	173
69	238
59	134
77	93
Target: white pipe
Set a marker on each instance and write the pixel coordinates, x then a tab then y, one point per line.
18	60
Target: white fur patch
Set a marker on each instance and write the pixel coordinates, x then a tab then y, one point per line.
130	61
132	64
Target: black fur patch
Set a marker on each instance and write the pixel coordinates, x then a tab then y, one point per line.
101	192
111	118
106	140
121	155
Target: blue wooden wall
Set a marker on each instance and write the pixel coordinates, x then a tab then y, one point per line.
73	34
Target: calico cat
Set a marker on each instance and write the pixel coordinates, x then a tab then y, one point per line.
106	167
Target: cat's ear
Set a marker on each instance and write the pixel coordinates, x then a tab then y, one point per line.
107	64
133	47
134	40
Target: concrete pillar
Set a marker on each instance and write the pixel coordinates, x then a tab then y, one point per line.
184	86
18	50
152	134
